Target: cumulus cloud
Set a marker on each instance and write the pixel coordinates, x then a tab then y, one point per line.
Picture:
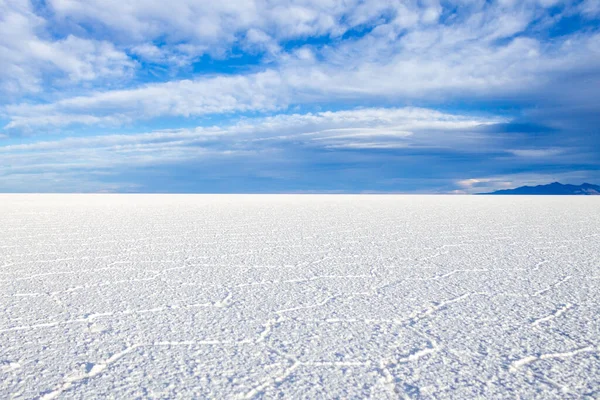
223	23
216	27
29	55
483	52
486	73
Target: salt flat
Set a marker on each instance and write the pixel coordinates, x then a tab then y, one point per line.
299	296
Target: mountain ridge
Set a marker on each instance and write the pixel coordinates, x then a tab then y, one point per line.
554	188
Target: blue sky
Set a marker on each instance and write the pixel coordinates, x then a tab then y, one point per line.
299	96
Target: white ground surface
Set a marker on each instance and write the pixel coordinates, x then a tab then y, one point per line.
129	296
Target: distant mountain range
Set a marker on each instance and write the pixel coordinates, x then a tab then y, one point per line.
553	189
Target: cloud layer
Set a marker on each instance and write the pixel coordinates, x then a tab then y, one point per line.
406	81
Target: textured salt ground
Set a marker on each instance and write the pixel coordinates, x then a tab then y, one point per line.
304	296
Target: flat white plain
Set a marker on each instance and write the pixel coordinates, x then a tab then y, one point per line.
299	296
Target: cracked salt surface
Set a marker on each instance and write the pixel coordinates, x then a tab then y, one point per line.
170	296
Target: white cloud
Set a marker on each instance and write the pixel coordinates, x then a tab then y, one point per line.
187	29
216	27
220	94
216	23
473	71
273	141
444	61
371	128
29	55
590	8
477	185
367	145
474	55
536	153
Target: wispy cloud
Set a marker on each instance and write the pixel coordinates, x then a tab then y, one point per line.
536	153
370	128
413	126
222	94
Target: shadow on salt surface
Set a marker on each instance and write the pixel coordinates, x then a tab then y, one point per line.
143	297
72	278
201	275
576	323
49	356
321	381
188	371
17	314
570	376
345	342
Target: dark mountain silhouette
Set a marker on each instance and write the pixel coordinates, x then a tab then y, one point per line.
554	188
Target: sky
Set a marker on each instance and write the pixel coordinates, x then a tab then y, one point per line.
305	96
